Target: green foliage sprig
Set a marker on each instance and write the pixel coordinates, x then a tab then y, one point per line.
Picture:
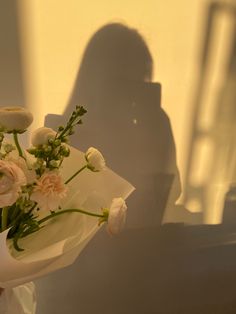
51	155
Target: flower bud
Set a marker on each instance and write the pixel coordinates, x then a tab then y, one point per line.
65	151
8	147
57	142
53	163
38	164
47	149
95	160
42	136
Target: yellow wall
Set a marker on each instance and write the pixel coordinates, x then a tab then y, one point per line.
62	28
55	33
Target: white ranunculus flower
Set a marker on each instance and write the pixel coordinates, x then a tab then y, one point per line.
15	118
117	216
95	160
41	136
12	178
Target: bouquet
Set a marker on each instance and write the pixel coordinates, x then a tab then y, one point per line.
53	198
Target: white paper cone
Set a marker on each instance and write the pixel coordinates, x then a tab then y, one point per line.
19	300
60	242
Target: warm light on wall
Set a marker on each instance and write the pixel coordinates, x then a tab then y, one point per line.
54	35
30	52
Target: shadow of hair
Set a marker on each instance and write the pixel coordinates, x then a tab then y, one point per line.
115	52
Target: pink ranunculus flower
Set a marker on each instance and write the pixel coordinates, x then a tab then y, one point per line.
49	191
117	216
12	178
24	165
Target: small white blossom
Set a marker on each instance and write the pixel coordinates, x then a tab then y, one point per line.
41	136
38	164
8	147
117	216
15	118
95	160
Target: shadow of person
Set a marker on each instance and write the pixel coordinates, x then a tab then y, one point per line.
146	269
126	122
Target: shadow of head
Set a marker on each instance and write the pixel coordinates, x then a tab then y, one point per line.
114	56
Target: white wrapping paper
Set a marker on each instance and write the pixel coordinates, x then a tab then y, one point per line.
60	242
19	300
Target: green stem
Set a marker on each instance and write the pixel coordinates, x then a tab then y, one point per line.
75	174
69	211
60	136
14	213
4	218
18	145
32	208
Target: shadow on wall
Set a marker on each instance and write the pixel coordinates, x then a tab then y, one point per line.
11	81
126	122
169	269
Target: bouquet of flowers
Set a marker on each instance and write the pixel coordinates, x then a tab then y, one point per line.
53	197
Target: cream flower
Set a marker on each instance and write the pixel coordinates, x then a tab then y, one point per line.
117	216
95	160
49	191
41	136
15	118
11	179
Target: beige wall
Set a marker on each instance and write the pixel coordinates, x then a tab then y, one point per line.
171	29
55	33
